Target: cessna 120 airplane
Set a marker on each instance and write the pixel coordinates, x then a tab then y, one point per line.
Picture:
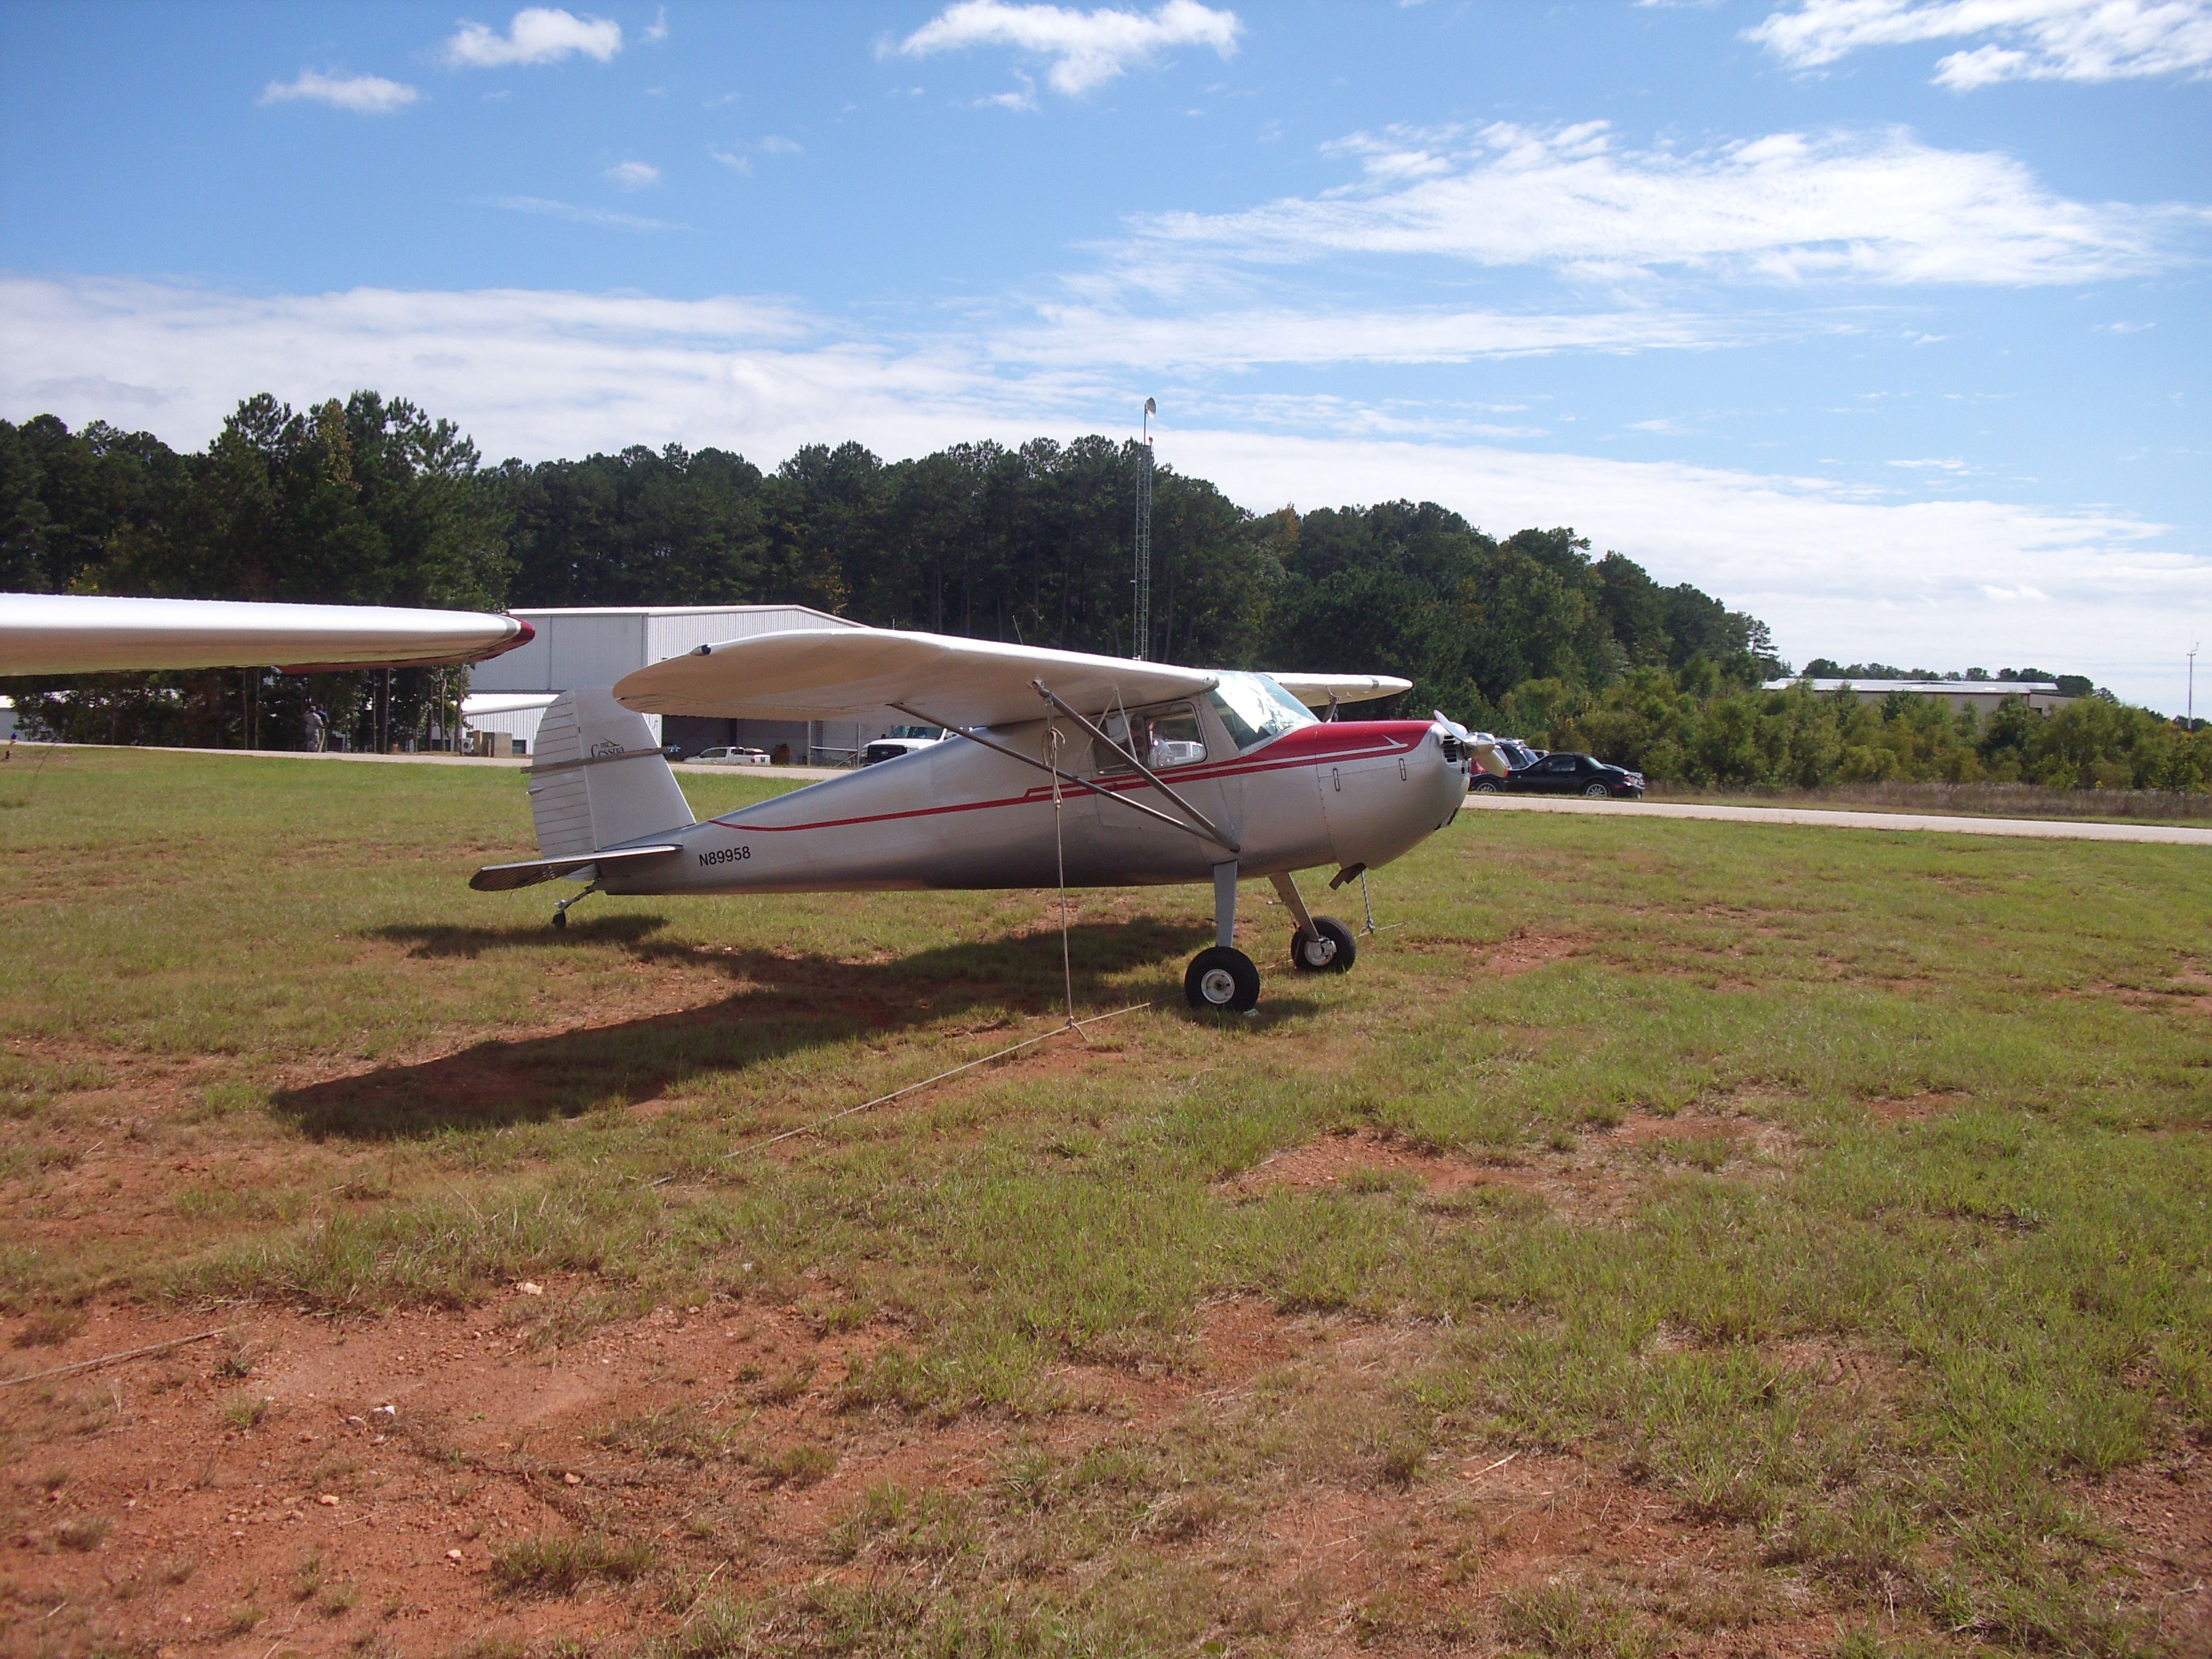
1076	771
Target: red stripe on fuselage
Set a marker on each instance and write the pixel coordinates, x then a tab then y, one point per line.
1308	746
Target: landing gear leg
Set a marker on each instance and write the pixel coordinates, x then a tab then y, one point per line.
1323	944
1223	978
561	910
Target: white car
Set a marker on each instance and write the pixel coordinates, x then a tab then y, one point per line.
730	755
902	740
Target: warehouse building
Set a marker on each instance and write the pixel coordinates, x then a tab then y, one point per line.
597	645
1981	695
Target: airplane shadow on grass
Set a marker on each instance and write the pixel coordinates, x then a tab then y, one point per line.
783	1003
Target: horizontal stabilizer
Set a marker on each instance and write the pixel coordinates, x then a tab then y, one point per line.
1320	691
505	878
836	673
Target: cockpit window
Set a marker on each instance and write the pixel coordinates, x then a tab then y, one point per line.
1254	709
1161	738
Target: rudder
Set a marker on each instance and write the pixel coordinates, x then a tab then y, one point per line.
597	778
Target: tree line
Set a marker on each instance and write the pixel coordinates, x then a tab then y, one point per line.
372	500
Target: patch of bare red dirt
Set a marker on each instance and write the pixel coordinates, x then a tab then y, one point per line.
2161	1512
1330	1160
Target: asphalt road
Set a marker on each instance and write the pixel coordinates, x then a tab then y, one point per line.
2046	828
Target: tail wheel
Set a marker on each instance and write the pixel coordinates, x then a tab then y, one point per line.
1222	979
1330	949
1596	792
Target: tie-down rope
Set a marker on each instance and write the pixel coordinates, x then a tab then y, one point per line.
1067	981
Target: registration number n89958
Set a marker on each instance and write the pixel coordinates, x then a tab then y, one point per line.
727	855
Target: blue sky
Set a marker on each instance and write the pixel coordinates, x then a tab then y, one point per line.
1884	319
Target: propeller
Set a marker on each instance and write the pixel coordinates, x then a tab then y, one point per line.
1466	737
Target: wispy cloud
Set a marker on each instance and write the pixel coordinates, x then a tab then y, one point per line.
548	209
1878	207
740	160
1085	49
634	175
1255	335
2022	39
536	34
364	95
658	30
1022	100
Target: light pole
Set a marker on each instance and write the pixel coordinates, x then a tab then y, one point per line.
2191	715
1142	623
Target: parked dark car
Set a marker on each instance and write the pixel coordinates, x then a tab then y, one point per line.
1562	773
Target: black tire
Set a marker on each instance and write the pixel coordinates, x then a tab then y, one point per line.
1596	792
1483	786
1222	980
1333	952
560	918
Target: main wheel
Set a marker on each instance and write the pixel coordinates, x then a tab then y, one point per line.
1222	978
1485	785
1596	792
1332	952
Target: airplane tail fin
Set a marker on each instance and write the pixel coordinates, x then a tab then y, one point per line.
597	778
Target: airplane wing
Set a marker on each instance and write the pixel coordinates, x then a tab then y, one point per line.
835	673
1319	690
84	634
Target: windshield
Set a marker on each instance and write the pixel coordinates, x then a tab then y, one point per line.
1254	709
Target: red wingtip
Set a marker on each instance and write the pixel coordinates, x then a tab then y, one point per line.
523	635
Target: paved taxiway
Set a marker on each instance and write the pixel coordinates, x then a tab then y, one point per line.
2047	828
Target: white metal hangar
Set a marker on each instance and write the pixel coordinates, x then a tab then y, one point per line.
597	645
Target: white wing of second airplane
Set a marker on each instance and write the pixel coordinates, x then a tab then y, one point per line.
835	673
86	634
1320	691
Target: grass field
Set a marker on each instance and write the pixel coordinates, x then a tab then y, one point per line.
1672	1237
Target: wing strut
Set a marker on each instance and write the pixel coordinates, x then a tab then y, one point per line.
1150	777
927	718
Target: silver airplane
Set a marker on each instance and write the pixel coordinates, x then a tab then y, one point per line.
1070	771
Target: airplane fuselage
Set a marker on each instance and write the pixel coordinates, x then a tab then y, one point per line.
961	815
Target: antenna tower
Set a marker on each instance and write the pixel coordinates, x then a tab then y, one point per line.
1141	629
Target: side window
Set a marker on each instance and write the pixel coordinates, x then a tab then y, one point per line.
1162	739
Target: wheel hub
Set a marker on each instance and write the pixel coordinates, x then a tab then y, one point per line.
1218	986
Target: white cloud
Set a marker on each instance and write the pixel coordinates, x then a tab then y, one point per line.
1022	101
537	34
1878	207
1832	575
364	95
659	29
2034	39
1087	49
741	161
547	208
1072	336
538	374
634	175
